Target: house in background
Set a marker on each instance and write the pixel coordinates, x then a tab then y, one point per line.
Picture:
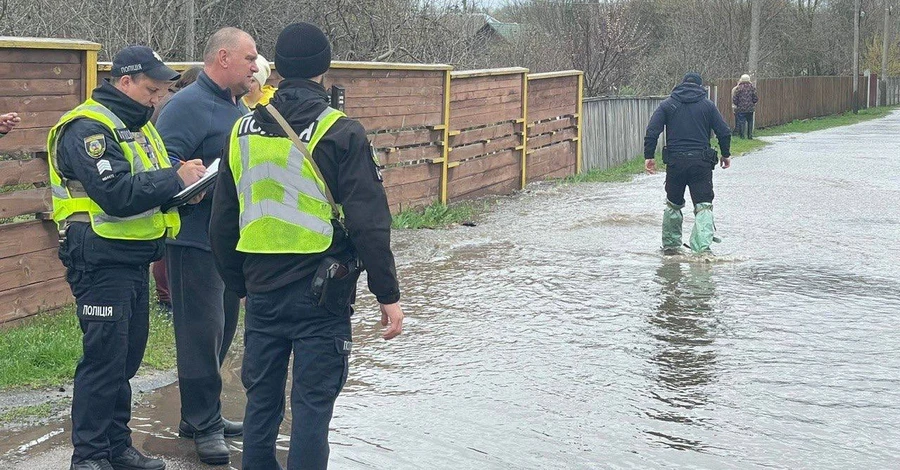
484	30
495	32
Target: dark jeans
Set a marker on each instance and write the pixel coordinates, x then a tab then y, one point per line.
743	125
280	323
694	174
113	312
205	318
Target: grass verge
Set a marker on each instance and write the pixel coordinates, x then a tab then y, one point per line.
826	122
43	350
439	215
621	173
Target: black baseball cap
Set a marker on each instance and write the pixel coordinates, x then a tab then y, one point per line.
141	59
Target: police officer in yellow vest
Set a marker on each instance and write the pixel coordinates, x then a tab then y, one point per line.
299	209
109	173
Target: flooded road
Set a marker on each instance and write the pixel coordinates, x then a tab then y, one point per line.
555	335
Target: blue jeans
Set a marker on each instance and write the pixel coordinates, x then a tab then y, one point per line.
279	323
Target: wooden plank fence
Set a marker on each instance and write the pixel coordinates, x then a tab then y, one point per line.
782	100
442	135
614	129
554	125
402	108
487	138
891	91
42	79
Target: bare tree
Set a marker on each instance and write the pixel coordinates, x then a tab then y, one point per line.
753	59
601	39
646	45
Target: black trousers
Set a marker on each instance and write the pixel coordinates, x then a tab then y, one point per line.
205	318
277	324
692	173
743	125
113	312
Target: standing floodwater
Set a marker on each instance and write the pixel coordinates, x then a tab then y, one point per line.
555	335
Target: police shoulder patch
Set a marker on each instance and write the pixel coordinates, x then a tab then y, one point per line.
95	145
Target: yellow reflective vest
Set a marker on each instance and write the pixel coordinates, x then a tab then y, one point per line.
70	201
283	207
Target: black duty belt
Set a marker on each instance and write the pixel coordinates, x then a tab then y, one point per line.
76	217
692	154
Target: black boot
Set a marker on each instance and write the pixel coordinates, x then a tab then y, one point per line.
211	448
131	459
101	464
232	429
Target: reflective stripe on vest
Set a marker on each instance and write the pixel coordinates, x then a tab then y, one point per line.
69	196
283	207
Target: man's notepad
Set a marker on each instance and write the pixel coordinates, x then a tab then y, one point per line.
189	192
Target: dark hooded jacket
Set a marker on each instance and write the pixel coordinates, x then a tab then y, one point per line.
688	117
345	158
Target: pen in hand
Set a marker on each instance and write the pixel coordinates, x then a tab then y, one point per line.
191	171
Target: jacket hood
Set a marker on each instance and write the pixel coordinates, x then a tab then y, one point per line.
688	93
299	100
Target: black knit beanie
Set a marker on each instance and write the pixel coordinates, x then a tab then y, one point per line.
303	51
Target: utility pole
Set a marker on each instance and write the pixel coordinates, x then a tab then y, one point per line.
189	33
753	60
856	56
882	82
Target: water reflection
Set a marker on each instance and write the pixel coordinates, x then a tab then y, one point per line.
682	355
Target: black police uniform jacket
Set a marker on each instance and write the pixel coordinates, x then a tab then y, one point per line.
345	158
687	116
108	181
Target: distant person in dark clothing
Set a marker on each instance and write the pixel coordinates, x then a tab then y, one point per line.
743	101
688	117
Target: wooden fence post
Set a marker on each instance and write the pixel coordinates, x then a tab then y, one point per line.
90	73
524	129
580	121
446	139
